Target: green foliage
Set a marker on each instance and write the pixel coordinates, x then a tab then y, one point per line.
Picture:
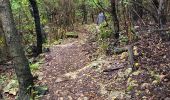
103	46
105	32
38	91
131	85
3	78
24	20
123	39
72	34
29	38
34	66
1	41
56	42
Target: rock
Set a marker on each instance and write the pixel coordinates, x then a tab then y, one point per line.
136	64
85	98
144	98
128	71
58	80
164	57
12	87
124	55
167	98
115	94
82	98
61	98
95	65
70	98
135	50
136	73
136	27
145	86
162	77
147	91
155	82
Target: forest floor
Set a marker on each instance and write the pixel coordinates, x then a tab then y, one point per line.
72	73
74	70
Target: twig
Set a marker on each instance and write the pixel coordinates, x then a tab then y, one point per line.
113	69
154	30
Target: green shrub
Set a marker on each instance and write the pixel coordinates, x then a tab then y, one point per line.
35	66
124	40
105	32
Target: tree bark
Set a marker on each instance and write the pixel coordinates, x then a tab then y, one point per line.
3	46
137	11
36	15
84	9
160	7
13	40
161	15
114	18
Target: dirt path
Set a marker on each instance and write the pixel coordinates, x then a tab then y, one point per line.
70	75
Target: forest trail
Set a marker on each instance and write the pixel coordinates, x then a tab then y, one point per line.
70	74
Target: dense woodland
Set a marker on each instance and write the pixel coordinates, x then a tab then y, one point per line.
58	50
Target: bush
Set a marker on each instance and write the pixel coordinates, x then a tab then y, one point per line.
105	32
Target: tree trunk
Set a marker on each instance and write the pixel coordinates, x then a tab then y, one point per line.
84	9
137	11
114	18
13	40
156	3
3	46
160	7
37	26
161	15
92	16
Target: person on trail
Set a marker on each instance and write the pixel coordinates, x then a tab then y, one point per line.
100	18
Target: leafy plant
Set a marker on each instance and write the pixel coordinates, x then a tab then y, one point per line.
105	32
1	41
124	40
2	79
35	66
29	38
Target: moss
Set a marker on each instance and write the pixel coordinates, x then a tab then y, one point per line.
71	34
130	88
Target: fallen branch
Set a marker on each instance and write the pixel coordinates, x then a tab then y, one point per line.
129	49
113	69
154	30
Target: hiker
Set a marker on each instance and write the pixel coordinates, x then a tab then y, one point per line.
100	18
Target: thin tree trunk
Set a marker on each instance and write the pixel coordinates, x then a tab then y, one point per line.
3	46
137	11
20	61
114	18
37	26
161	15
92	17
84	9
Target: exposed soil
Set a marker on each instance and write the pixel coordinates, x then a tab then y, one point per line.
70	74
73	71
